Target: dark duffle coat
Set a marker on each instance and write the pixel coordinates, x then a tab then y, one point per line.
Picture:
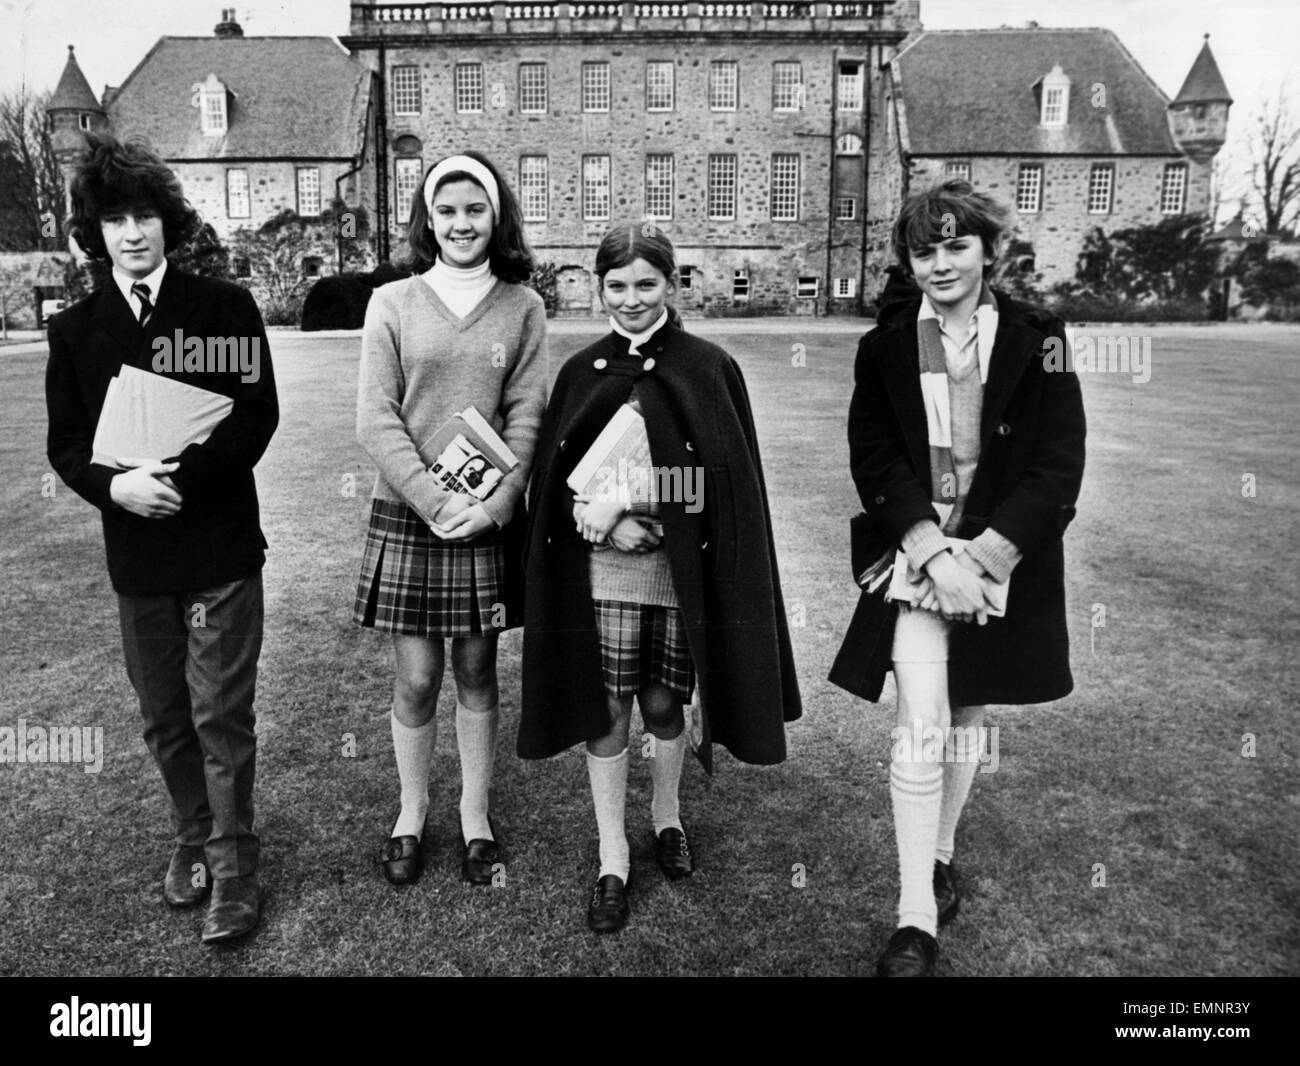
722	557
1025	487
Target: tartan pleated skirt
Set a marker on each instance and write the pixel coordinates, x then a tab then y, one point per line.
414	584
641	643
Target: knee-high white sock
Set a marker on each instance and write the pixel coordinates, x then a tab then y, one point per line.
608	776
916	790
413	746
476	737
666	775
958	775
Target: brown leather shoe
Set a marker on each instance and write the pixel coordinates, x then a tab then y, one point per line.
911	953
235	909
179	887
673	854
946	896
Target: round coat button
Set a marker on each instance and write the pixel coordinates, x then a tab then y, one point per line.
690	447
600	364
880	499
649	364
1004	430
562	444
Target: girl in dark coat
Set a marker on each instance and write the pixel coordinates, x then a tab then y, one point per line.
651	593
965	422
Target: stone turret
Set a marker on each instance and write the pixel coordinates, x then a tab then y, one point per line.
71	112
1198	115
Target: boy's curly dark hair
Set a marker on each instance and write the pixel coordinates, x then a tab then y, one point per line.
113	175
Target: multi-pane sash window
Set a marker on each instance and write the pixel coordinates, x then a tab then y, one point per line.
595	188
724	85
659	85
1101	181
846	288
406	90
309	191
533	186
469	87
960	169
406	181
659	186
1174	189
532	88
846	208
237	202
785	187
849	90
721	193
1029	188
787	86
595	86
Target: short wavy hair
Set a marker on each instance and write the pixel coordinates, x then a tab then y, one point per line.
509	256
113	175
951	209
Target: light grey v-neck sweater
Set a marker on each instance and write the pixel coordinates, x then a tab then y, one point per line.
420	364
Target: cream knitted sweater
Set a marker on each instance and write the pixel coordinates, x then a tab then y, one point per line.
420	364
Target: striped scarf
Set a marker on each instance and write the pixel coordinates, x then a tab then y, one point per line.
946	489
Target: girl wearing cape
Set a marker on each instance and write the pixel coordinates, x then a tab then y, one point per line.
615	608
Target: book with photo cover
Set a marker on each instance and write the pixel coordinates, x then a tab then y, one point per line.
618	466
467	455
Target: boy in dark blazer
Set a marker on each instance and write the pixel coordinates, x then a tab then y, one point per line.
962	424
183	542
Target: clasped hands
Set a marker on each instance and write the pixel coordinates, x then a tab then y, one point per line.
608	520
955	587
463	518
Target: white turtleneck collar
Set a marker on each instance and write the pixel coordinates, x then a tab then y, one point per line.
635	340
460	288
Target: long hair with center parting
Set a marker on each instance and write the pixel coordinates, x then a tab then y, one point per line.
509	255
629	241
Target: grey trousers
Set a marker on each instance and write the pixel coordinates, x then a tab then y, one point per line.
192	660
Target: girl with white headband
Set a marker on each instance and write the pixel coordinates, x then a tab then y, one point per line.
463	332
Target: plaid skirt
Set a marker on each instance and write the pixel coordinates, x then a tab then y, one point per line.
641	643
417	585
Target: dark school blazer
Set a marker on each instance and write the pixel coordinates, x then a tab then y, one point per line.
1025	486
216	538
722	557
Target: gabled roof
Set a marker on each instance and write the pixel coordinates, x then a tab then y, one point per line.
1204	84
73	91
289	97
973	92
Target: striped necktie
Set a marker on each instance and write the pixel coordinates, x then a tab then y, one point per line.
141	292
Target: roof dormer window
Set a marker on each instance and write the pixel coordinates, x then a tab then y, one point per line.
1056	98
210	97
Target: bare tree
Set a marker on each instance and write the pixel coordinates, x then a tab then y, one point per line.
31	185
15	297
1274	144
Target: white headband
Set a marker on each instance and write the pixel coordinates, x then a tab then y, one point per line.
473	167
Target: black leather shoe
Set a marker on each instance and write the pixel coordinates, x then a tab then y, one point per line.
911	953
674	854
179	889
608	910
945	891
402	860
478	856
235	909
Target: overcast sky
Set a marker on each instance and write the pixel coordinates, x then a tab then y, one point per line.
1256	42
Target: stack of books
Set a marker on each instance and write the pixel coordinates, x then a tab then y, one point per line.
149	416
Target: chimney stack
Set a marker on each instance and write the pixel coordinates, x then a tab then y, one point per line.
228	27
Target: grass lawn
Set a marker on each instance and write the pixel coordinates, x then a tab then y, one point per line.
1141	771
